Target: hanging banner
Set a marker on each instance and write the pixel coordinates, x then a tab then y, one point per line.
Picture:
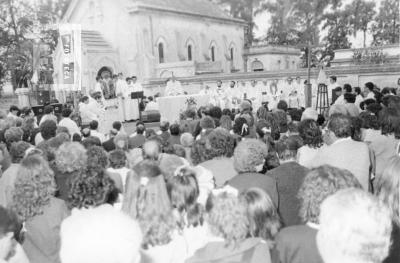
70	60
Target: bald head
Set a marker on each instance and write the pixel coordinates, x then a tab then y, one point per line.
151	150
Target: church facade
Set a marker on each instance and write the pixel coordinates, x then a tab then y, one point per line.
154	39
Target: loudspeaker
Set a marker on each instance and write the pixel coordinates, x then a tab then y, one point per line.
44	97
57	108
38	110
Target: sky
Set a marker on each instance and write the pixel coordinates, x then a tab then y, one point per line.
263	20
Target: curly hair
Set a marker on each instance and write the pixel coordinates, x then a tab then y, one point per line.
227	217
117	159
389	122
91	189
200	151
263	217
221	143
146	200
340	125
34	186
369	121
183	191
70	157
388	187
48	129
310	132
320	183
249	154
13	134
207	123
97	158
17	151
226	122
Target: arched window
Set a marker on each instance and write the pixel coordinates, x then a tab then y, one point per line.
161	53
213	53
232	53
189	53
257	65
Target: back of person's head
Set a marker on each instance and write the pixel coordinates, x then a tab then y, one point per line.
295	114
146	200
369	121
221	143
66	112
340	125
370	86
48	109
183	191
309	113
310	133
169	163
13	134
94	125
262	214
389	121
17	151
374	108
121	245
117	125
349	97
164	126
64	130
215	112
9	229
140	129
355	227
117	159
347	88
227	216
91	141
320	183
207	123
249	155
357	90
287	147
225	122
70	157
150	98
282	105
388	188
26	111
84	99
281	119
151	150
338	109
174	129
187	139
48	129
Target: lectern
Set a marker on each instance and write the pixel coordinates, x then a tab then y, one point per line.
138	95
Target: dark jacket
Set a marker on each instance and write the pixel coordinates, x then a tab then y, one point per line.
245	181
289	177
109	145
251	250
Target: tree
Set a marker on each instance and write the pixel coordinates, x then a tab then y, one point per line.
386	29
361	13
22	25
337	25
243	9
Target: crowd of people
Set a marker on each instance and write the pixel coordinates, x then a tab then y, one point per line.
269	184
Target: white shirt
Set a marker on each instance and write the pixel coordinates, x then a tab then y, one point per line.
370	95
70	125
359	99
99	135
340	100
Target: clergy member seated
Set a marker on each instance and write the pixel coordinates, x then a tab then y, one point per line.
151	105
173	88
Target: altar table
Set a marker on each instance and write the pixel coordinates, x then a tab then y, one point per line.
171	107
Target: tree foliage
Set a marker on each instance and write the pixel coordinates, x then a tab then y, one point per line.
386	28
23	25
361	14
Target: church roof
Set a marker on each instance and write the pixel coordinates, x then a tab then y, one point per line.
204	8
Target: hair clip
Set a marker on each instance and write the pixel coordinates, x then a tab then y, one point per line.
178	171
144	181
226	189
266	130
244	128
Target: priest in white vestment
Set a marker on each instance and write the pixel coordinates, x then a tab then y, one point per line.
137	87
254	94
173	88
234	97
